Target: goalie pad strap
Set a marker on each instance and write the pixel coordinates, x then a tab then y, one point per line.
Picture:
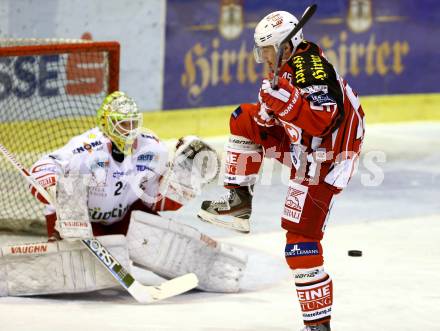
57	267
172	249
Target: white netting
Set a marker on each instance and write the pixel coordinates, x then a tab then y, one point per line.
45	99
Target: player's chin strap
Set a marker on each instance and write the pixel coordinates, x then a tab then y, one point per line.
195	164
142	293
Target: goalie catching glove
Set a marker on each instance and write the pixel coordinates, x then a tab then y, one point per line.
194	165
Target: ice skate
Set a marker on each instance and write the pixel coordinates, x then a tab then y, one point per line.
232	210
320	327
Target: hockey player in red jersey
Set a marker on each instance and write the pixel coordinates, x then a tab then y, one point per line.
314	117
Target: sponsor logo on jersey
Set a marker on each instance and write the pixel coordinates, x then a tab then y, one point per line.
149	136
318	71
314	89
142	167
87	147
321	99
102	164
301	249
118	174
97	214
147	157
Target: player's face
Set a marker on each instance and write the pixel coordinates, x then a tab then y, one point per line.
269	55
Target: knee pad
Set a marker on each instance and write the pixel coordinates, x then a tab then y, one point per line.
243	161
303	252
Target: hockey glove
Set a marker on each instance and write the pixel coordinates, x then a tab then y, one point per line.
284	102
264	117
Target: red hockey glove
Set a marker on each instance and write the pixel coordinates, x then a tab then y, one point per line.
265	117
284	102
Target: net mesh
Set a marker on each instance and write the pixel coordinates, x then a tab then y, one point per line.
49	92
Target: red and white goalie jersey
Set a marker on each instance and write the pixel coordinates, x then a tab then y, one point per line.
113	185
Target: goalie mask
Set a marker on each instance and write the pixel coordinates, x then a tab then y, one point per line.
120	120
271	31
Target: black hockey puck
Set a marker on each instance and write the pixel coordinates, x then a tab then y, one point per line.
354	252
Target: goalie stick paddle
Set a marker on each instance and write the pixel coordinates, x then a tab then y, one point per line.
142	293
304	19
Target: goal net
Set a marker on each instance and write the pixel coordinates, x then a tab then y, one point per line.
49	91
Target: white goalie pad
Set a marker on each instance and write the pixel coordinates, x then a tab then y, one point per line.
171	249
57	267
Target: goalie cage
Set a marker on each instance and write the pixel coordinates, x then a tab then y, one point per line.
50	90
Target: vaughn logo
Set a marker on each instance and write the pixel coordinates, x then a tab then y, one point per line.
40	248
301	249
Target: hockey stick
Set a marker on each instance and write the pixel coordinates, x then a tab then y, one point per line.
304	19
142	293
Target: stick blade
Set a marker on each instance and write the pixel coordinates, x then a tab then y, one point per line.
168	289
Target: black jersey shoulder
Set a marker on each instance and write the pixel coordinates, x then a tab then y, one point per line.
310	68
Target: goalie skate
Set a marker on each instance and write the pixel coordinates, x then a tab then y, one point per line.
232	210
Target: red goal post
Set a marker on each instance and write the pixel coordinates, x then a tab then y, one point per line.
50	90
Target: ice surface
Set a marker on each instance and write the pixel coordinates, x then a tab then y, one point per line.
395	285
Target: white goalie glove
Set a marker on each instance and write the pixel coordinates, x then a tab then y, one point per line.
194	165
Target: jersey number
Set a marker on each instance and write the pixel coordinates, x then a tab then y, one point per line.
119	186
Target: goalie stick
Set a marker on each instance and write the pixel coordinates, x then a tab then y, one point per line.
304	19
142	293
